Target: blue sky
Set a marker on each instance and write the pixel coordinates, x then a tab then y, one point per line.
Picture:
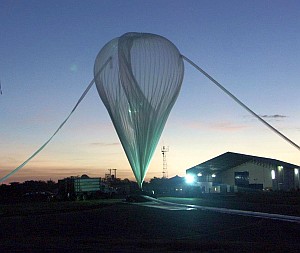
47	53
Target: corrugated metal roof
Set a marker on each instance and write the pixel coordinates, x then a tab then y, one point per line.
230	160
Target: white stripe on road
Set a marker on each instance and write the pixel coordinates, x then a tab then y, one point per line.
171	206
166	207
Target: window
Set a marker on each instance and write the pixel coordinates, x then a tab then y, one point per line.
241	178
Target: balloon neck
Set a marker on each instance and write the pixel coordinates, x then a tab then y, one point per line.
141	185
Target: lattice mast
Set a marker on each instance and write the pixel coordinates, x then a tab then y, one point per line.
164	151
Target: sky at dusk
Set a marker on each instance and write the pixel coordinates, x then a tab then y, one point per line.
47	54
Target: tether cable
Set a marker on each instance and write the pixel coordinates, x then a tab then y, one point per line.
240	102
61	125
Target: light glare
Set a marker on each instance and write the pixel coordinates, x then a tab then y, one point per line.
273	174
189	178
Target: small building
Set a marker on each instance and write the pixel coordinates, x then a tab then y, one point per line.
231	172
83	187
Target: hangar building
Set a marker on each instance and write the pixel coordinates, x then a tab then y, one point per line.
232	171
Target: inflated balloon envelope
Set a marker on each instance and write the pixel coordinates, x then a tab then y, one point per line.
139	87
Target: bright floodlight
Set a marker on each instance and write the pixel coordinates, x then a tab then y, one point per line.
273	174
189	178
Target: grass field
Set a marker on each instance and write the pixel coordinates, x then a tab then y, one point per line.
35	208
115	226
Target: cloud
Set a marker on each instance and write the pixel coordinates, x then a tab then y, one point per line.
223	126
103	144
275	116
227	126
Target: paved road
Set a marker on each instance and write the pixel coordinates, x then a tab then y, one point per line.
135	228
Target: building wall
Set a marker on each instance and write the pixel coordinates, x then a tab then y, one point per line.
286	179
258	174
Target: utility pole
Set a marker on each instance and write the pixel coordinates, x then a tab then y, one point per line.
164	150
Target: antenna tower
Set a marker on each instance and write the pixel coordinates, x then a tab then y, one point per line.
164	150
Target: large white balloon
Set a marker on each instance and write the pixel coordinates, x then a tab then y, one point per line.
139	87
